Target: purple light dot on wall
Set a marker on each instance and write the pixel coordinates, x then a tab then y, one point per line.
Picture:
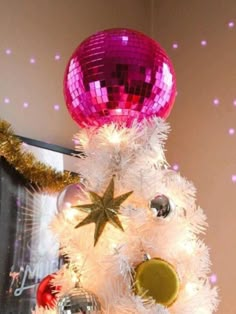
234	102
76	141
8	51
233	178
25	105
213	278
56	107
57	57
204	42
6	100
175	45
231	24
18	202
216	101
175	167
32	60
231	131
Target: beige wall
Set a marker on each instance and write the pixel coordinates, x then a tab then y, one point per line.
199	140
42	28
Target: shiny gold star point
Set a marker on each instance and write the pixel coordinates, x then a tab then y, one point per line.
103	209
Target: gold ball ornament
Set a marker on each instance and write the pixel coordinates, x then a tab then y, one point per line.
157	279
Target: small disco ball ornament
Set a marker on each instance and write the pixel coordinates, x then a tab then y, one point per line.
79	301
118	75
46	295
162	206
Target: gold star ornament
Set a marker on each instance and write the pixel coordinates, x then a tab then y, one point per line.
102	210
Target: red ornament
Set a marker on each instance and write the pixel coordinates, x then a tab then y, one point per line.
118	75
47	293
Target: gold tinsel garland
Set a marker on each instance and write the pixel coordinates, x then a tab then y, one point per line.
34	171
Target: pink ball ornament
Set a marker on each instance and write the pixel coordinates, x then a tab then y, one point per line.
118	75
70	196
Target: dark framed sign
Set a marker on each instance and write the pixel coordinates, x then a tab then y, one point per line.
28	249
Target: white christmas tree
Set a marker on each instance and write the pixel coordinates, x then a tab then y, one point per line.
132	233
116	233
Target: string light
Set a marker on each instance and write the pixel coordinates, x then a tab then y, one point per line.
70	213
189	247
115	137
203	311
74	277
191	288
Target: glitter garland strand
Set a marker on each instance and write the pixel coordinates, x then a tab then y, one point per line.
34	171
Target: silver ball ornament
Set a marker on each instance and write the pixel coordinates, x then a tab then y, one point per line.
161	206
79	301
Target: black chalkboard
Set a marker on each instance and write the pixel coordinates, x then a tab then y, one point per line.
22	267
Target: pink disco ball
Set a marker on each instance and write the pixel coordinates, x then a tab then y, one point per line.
118	75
